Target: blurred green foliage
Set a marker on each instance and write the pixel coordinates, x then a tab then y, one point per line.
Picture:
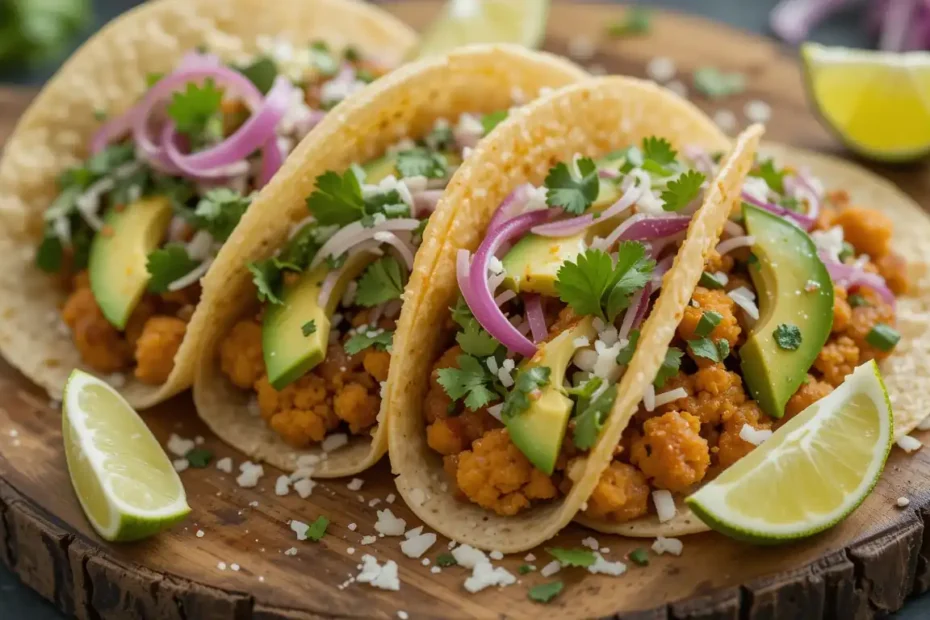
33	31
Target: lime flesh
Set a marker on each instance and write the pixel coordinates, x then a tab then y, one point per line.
809	475
123	479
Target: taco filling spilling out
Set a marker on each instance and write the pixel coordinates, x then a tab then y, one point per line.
137	224
798	293
547	322
317	352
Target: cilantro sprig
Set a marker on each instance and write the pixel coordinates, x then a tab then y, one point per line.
219	211
588	423
572	557
381	340
382	281
681	191
669	367
196	111
528	381
167	264
471	381
421	162
572	193
595	285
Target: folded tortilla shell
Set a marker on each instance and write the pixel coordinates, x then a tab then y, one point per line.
406	103
108	73
592	118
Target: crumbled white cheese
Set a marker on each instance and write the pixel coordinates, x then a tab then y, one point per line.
725	120
551	568
180	465
590	542
909	444
829	242
665	505
282	486
355	484
757	111
667	545
484	575
670	396
379	576
369	540
757	188
496	555
388	524
225	465
334	442
468	556
413	532
603	567
416	546
251	473
530	557
291	551
304	487
753	435
661	69
179	446
300	528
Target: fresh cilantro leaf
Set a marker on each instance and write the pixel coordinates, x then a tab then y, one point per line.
709	320
199	457
382	281
317	529
261	72
787	336
582	558
351	54
773	177
302	247
337	199
659	150
640	557
266	275
710	281
681	191
723	347
545	592
574	195
856	301
704	347
626	353
461	313
586	389
632	156
669	367
219	211
168	264
471	381
474	340
50	253
381	340
528	381
421	162
883	337
417	233
492	120
335	262
526	568
440	138
582	283
791	203
636	20
322	59
195	109
717	84
80	247
631	273
847	252
308	328
389	203
445	560
589	422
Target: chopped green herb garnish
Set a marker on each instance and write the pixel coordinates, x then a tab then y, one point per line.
445	560
681	191
492	120
572	557
196	110
848	251
167	264
474	340
440	138
659	150
317	529
883	337
856	301
323	60
471	380
335	262
626	353
382	281
669	367
636	20
704	347
380	339
219	211
787	336
639	556
710	281
773	177
337	199
709	320
526	568
716	84
572	194
421	162
266	275
199	457
526	382
589	422
723	347
261	72
308	328
593	284
50	253
545	592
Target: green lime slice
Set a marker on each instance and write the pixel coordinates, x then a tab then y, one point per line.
809	475
123	479
464	22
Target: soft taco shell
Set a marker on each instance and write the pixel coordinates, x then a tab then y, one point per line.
109	73
907	370
592	118
406	103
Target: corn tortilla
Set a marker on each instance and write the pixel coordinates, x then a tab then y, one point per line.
906	371
108	73
592	118
406	103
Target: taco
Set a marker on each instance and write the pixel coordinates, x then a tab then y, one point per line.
821	269
572	218
304	299
136	161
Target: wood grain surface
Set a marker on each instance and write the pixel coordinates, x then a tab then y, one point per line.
863	568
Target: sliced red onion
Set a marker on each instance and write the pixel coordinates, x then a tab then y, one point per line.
352	234
896	25
792	20
660	270
329	282
645	227
504	297
535	317
113	129
575	225
405	250
425	202
805	189
656	247
642	306
629	317
475	288
853	277
733	229
702	161
512	206
272	160
734	243
804	221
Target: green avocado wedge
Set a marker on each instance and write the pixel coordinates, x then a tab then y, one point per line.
119	253
538	432
795	309
288	351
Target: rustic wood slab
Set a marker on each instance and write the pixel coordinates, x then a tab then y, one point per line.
865	567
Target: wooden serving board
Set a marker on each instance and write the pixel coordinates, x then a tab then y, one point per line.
865	567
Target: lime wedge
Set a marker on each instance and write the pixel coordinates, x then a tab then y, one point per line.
123	479
811	473
464	22
878	103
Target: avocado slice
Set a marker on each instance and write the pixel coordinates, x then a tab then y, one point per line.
119	253
794	289
532	264
377	169
538	432
288	353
